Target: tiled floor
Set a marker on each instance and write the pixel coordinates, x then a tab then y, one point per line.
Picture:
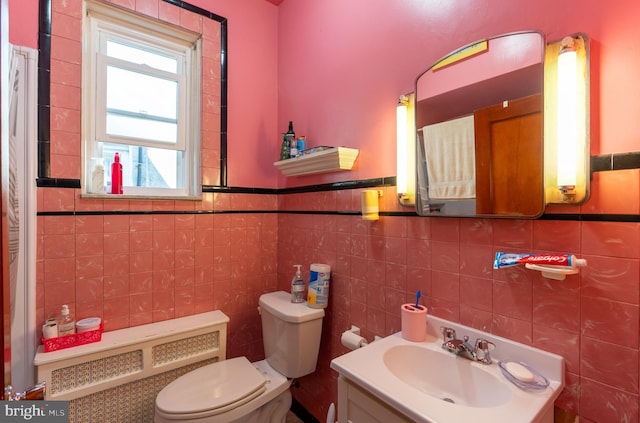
292	418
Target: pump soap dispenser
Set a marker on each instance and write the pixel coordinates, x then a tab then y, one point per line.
297	286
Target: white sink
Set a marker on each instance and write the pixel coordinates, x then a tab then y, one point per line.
446	377
425	383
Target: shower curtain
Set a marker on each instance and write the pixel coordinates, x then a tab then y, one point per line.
21	213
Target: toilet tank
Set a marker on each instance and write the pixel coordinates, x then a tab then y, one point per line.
290	333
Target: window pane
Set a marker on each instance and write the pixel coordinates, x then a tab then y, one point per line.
142	104
139	93
139	127
141	57
144	166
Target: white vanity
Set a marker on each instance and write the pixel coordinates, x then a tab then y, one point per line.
395	380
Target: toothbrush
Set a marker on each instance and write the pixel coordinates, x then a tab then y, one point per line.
418	298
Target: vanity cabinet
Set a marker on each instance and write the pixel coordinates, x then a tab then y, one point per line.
395	380
355	405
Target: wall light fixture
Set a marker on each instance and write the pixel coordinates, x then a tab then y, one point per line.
370	206
406	150
567	106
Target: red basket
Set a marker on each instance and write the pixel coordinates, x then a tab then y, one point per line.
73	340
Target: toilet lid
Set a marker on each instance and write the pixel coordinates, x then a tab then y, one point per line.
212	389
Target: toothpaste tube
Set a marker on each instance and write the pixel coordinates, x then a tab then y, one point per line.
551	260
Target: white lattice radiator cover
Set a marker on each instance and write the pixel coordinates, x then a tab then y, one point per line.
118	378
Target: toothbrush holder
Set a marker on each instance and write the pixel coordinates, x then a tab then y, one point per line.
414	322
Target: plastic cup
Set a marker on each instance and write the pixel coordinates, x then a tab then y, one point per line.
414	322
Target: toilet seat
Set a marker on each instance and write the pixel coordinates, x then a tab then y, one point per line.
210	390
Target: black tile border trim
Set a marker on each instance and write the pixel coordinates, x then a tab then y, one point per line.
620	218
58	183
631	218
301	412
615	161
336	186
44	89
238	190
44	93
149	212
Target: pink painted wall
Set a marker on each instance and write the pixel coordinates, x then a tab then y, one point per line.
336	69
318	73
342	65
253	91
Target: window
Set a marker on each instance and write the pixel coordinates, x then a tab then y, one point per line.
141	99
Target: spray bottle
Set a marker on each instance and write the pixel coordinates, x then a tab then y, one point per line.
297	286
116	175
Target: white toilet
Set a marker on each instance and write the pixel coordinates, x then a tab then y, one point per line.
236	390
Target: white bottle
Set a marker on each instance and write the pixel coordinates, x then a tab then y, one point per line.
66	322
97	177
297	287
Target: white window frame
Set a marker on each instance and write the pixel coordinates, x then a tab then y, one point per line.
104	21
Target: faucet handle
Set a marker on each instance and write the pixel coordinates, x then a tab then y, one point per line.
483	350
36	392
448	334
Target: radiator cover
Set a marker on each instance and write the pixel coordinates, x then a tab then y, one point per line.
118	378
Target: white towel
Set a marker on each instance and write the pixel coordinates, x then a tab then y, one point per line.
451	161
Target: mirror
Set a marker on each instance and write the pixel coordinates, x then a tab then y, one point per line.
479	123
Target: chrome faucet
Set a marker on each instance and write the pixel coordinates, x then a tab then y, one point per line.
480	352
36	392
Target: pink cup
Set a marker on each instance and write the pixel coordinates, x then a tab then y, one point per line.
414	322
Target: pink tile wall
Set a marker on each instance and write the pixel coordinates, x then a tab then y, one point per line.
133	268
592	319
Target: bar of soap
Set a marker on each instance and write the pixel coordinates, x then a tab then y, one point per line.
520	372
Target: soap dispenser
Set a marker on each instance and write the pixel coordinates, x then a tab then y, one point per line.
66	322
297	286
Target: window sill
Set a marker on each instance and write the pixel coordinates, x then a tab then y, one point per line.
140	197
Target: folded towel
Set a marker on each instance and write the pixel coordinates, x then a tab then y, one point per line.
450	154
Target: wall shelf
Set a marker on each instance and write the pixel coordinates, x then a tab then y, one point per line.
330	160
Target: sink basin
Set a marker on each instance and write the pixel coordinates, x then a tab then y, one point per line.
422	382
446	377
